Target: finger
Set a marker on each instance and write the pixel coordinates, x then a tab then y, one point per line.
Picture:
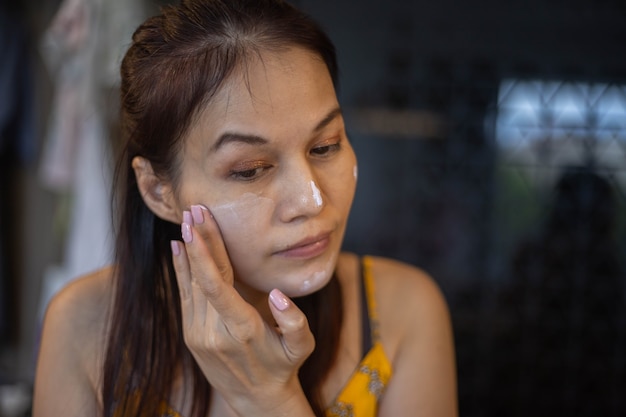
183	277
208	282
199	304
198	300
207	227
297	338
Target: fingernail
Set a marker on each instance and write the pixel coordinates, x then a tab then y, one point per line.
185	229
204	208
175	247
279	299
196	213
187	217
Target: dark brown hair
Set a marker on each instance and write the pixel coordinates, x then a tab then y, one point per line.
177	61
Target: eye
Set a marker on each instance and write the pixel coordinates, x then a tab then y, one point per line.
249	174
326	150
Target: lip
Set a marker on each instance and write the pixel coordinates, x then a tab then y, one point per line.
306	248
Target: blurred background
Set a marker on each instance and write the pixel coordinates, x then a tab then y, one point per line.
491	139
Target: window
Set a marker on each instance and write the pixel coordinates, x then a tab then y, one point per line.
554	123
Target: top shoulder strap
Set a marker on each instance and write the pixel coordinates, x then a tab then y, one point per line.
369	318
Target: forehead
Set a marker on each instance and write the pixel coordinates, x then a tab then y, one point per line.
272	94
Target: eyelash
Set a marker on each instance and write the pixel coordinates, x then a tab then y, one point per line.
253	173
249	174
326	150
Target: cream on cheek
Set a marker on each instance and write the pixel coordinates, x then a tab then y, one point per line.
237	219
244	224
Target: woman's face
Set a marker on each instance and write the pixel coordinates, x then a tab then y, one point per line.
270	158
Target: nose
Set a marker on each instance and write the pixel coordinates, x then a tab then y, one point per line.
301	196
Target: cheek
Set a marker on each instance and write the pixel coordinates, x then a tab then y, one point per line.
241	220
342	182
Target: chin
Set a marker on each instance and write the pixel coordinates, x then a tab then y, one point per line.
311	280
308	286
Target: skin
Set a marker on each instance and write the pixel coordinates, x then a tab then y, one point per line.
273	185
272	144
284	173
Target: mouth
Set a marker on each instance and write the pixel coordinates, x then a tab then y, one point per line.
306	248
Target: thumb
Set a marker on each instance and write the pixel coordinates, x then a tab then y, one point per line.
293	325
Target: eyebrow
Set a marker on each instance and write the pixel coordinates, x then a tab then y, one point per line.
230	137
334	113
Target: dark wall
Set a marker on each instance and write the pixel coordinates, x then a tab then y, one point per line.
537	307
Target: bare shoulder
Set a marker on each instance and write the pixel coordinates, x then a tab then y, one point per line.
398	282
408	299
72	345
79	310
416	333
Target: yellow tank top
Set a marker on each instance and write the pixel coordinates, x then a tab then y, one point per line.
359	397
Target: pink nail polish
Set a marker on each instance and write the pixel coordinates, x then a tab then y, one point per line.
197	214
175	247
187	217
185	229
279	299
205	209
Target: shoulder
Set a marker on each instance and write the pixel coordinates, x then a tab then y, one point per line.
409	302
392	274
402	286
416	333
73	336
80	308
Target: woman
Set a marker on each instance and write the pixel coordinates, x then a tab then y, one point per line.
230	295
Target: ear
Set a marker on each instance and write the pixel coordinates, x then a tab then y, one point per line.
156	193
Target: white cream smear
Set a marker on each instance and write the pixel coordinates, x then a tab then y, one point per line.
355	172
317	196
236	216
319	278
236	219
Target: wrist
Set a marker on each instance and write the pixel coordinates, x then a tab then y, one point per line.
295	405
289	403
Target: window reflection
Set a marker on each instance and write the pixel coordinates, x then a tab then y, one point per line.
557	123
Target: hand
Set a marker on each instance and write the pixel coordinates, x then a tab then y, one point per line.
251	364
